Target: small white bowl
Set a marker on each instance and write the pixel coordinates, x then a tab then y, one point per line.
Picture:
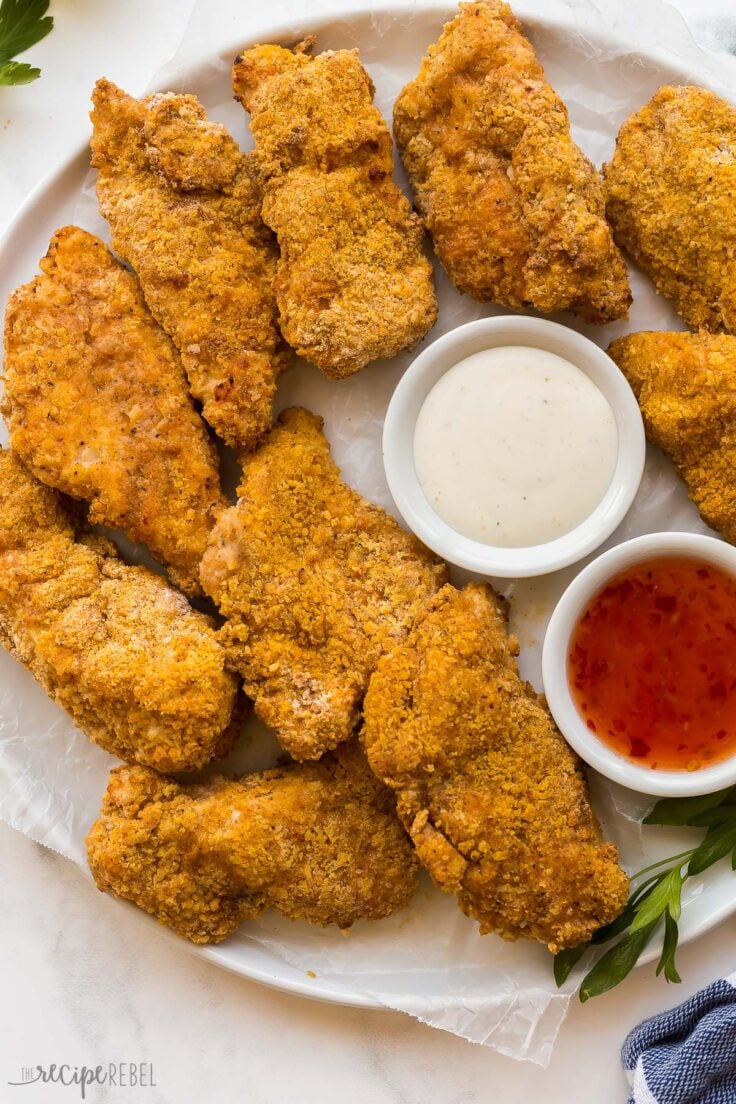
567	612
398	446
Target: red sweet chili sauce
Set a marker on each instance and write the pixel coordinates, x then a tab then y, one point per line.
652	664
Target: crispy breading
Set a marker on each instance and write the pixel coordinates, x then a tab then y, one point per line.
316	583
133	664
184	210
515	210
685	385
353	283
317	842
671	199
97	405
491	795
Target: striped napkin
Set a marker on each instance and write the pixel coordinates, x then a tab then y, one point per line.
687	1055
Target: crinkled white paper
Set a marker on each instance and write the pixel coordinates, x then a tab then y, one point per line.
428	961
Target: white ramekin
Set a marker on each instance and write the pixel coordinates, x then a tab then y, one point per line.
398	446
571	605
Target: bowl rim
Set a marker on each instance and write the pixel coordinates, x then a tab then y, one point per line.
565	615
398	446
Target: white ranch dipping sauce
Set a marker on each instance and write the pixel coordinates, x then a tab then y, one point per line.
515	446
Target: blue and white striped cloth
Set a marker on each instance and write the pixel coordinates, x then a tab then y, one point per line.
687	1055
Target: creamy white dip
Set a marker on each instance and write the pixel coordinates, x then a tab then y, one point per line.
515	446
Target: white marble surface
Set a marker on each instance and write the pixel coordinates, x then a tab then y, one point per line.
78	982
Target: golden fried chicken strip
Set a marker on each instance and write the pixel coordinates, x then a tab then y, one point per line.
316	583
353	283
132	663
97	404
184	210
515	210
671	199
317	842
491	795
685	385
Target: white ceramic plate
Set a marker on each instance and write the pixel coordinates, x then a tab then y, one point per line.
356	406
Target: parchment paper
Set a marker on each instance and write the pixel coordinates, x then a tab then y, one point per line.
428	961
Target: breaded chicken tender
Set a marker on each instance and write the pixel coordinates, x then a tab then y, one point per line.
671	199
491	795
685	385
317	842
515	210
97	404
132	663
184	210
353	283
316	583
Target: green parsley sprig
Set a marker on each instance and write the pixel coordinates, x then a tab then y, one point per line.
656	895
23	23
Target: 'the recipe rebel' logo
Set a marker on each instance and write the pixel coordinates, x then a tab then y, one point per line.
120	1075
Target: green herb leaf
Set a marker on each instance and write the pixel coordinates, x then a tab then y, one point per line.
667	958
664	897
615	964
674	903
566	961
16	72
680	810
722	814
23	23
719	842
